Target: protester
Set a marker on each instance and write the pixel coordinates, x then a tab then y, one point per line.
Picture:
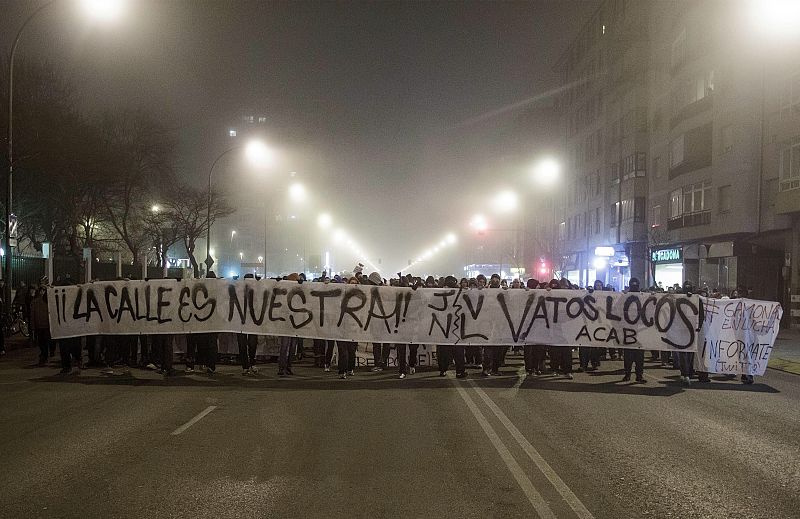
633	356
40	322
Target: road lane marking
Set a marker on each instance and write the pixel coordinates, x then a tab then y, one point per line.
193	421
562	488
535	498
521	375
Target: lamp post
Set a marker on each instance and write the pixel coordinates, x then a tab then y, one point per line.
104	10
256	152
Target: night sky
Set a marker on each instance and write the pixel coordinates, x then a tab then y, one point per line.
376	103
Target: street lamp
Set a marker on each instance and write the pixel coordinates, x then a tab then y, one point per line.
324	221
505	201
776	17
105	12
547	172
297	192
258	154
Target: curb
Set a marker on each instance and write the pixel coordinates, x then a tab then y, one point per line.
784	365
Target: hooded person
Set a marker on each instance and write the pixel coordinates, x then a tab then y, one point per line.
630	356
287	345
380	352
447	352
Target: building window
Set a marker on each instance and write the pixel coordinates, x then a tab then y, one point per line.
726	136
790	165
614	214
678	50
789	97
262	120
657	167
690	206
597	220
676	151
562	229
696	197
676	203
724	199
231	133
613	173
655	216
634	165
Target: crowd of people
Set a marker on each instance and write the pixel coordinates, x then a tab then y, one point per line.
115	353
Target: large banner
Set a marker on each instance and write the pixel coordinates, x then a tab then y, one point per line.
377	314
737	336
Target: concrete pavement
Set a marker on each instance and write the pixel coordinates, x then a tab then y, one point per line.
374	446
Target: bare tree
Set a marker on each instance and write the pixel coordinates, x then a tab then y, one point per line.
188	208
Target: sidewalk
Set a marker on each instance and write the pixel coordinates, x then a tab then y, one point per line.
786	353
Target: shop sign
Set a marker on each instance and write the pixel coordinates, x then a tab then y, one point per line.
666	255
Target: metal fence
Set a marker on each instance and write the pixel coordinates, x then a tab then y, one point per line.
31	269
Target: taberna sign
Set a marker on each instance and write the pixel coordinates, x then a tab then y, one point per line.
673	255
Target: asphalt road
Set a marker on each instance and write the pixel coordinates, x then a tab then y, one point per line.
375	446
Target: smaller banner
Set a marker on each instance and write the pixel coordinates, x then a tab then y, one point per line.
737	335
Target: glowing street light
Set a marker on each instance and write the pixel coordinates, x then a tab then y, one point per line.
324	221
258	153
776	17
450	238
261	259
339	235
547	172
297	192
505	201
155	208
104	10
479	223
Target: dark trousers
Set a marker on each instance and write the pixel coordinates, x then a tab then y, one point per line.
329	346
492	358
686	363
534	355
286	346
191	349
561	358
380	354
247	349
447	352
43	341
207	350
346	351
161	351
406	362
587	355
631	357
473	355
70	350
92	351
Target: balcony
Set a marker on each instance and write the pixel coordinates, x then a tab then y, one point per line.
689	220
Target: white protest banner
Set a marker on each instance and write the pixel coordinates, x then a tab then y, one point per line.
737	335
377	314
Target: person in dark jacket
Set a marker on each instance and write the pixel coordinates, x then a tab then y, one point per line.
633	356
40	323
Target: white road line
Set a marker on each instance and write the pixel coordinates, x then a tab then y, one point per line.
537	458
535	498
521	375
193	420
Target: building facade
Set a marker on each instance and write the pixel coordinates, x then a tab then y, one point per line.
690	150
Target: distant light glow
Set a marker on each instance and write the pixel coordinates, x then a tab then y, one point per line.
479	223
776	18
258	153
339	235
505	201
261	259
600	263
155	208
450	238
232	273
324	221
547	172
104	10
297	192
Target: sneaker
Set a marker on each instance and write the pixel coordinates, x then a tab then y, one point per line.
152	366
107	371
343	376
411	371
289	371
210	371
626	378
528	373
402	376
281	373
495	373
641	380
686	380
581	370
188	370
569	376
327	368
246	372
442	373
351	373
253	370
484	373
376	369
461	375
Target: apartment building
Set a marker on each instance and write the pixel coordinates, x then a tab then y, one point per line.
691	150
